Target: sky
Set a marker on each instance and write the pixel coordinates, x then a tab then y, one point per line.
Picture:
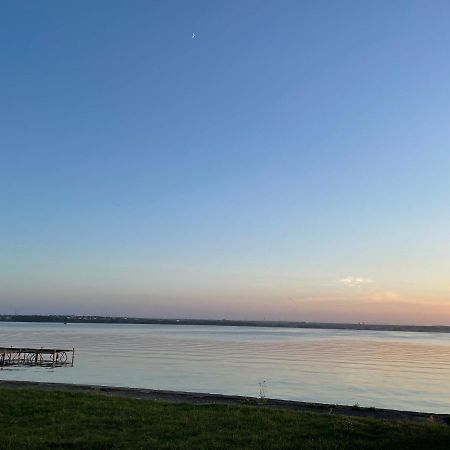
290	162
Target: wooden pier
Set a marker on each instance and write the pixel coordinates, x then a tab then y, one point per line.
49	357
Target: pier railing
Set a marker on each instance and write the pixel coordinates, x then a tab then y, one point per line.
50	357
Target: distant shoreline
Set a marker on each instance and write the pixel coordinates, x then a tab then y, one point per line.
224	322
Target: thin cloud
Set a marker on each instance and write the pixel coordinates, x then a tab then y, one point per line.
386	295
355	281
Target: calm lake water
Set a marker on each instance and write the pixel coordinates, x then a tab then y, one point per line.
398	370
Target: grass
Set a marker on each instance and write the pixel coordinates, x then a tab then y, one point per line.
36	419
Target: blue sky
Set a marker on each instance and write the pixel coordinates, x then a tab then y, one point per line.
244	173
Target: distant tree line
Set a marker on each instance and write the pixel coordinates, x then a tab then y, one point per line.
223	322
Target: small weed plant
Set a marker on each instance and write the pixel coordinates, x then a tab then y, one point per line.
262	398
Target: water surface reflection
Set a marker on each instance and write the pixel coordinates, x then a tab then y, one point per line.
399	370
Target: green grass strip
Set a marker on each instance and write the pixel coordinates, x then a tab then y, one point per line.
37	420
